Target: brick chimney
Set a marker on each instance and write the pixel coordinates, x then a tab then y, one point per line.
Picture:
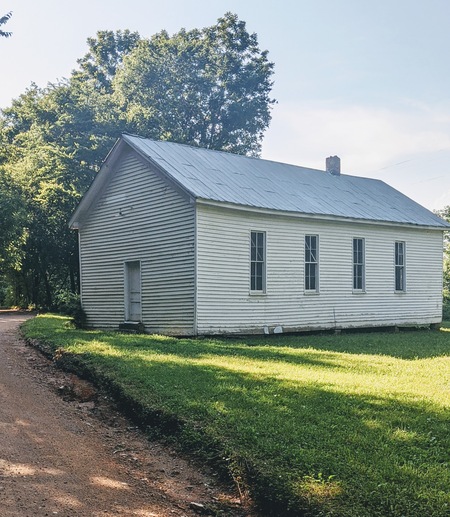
333	165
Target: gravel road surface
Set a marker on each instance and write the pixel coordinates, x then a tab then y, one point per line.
73	455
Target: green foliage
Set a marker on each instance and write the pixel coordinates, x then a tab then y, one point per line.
327	425
69	304
3	293
446	306
104	57
445	214
12	213
206	87
45	171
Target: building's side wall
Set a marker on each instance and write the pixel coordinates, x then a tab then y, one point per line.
224	303
139	218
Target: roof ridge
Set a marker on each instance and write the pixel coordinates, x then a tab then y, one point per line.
224	177
227	153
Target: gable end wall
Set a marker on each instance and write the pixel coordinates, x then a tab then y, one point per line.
139	218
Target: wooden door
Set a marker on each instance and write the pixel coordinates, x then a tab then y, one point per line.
133	291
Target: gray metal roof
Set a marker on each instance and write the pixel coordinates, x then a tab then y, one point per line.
253	182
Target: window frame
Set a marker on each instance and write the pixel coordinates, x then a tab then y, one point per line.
400	267
311	264
359	266
258	263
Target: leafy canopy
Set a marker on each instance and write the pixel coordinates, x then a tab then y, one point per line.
105	55
208	87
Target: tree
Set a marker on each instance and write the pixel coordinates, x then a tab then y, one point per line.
445	214
11	217
52	146
105	55
3	20
208	87
43	257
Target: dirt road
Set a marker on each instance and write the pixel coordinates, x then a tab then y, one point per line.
71	458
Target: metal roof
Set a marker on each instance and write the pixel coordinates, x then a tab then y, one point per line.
252	182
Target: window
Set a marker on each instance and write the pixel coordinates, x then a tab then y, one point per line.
311	263
358	265
258	262
400	279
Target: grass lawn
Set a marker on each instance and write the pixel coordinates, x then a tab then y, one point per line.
320	425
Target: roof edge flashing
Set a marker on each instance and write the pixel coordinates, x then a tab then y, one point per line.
317	217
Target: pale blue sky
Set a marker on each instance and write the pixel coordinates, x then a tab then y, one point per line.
366	80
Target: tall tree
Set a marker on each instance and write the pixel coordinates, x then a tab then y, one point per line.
445	214
105	55
52	147
208	87
12	215
52	143
3	20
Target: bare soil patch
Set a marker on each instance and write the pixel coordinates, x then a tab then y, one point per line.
66	451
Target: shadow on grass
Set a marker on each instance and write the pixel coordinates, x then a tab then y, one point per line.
304	447
408	344
198	348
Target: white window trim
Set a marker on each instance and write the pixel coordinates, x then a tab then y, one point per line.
361	290
316	290
400	291
254	292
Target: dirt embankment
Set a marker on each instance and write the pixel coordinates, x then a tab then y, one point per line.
65	451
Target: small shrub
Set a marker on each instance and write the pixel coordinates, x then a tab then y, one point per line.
446	306
69	304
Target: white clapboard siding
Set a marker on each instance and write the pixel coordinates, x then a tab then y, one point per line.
139	218
224	303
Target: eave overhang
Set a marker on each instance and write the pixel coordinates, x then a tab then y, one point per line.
317	217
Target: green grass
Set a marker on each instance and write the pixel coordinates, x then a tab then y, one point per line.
320	425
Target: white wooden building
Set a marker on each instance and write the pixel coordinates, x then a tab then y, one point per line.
189	241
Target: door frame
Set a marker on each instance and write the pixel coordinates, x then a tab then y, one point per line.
127	266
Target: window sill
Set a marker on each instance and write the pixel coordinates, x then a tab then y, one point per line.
359	291
400	292
257	293
311	293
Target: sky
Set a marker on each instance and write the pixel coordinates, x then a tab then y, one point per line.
366	80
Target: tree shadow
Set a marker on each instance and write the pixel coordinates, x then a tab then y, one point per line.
306	445
306	448
407	344
199	348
